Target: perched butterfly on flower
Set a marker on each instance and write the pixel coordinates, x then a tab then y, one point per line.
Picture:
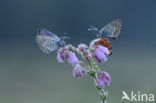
111	30
48	41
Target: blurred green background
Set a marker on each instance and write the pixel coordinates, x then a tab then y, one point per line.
27	75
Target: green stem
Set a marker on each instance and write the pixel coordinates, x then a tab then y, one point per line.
95	78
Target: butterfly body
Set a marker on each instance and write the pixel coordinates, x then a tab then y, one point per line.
48	41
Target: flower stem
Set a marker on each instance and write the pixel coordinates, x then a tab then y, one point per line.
101	90
95	78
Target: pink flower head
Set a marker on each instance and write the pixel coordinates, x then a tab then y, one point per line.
82	47
104	49
78	71
87	54
103	79
72	59
62	54
60	57
100	53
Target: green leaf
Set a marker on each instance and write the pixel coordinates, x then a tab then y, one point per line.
99	88
92	73
101	97
105	95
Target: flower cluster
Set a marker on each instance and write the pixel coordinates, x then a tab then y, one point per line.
79	70
65	54
96	52
84	51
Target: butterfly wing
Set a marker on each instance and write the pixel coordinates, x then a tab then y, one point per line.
46	32
47	41
112	29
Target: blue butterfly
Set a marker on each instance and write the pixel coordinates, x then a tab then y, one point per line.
111	30
48	41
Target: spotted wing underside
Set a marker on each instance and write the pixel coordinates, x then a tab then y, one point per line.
47	41
112	29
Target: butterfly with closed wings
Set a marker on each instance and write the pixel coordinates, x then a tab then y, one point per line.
111	30
48	41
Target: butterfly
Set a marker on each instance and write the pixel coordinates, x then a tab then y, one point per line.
111	30
48	41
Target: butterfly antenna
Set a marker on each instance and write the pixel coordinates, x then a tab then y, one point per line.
63	43
93	28
64	36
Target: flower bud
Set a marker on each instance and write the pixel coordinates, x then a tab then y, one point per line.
72	59
61	54
82	47
100	53
103	79
78	71
87	54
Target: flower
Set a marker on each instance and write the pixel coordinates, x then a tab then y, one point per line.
100	53
60	58
104	49
82	47
93	43
103	42
103	79
78	71
62	54
87	54
71	58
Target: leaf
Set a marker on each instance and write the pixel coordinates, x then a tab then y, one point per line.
92	73
99	88
101	97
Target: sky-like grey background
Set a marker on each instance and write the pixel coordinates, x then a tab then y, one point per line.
29	76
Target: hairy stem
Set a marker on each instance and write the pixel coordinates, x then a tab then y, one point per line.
95	78
102	90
